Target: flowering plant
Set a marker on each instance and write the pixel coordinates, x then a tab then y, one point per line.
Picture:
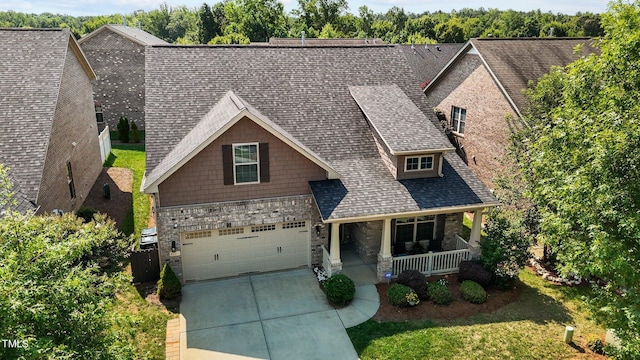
443	281
321	274
412	298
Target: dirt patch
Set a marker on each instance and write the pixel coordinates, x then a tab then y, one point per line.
149	291
120	181
459	308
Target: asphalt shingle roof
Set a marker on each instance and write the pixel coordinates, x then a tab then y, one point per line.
427	62
30	73
515	61
305	91
140	36
400	123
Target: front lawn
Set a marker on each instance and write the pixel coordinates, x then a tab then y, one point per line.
530	328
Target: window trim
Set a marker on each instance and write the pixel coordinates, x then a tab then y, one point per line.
455	121
414	221
406	162
70	183
257	163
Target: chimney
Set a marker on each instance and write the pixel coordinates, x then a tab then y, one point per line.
302	37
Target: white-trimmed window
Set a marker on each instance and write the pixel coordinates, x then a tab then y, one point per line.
458	119
418	163
415	228
245	163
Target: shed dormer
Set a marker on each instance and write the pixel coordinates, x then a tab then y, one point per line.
408	142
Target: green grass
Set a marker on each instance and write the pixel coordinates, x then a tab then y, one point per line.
142	323
132	156
465	233
530	328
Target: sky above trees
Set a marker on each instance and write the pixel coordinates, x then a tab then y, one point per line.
103	7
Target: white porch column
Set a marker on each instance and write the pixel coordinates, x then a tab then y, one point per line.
385	244
335	242
476	227
385	260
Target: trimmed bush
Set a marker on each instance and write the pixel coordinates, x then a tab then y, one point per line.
339	289
439	293
169	286
471	270
135	133
415	280
473	292
123	129
86	213
594	342
398	293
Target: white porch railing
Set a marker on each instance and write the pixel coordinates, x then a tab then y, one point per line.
326	260
434	263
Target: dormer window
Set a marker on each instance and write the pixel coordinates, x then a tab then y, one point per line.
418	163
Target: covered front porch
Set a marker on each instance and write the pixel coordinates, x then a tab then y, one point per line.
427	242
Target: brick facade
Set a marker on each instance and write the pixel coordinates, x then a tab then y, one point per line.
469	85
73	138
201	179
172	221
119	65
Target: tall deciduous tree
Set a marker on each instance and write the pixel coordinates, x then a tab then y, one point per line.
580	155
208	28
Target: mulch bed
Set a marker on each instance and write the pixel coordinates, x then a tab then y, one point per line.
120	182
459	308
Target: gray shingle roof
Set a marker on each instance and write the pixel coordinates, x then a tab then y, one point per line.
305	91
14	199
140	36
323	42
30	73
398	121
515	61
427	62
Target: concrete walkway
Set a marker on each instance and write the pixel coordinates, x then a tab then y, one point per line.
281	315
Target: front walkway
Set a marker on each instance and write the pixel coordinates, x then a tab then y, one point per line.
281	315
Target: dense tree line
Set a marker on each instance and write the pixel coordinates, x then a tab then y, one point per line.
241	21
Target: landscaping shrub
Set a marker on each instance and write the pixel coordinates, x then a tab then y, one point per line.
439	293
169	286
415	280
135	133
123	129
594	342
339	289
473	292
399	295
471	270
86	213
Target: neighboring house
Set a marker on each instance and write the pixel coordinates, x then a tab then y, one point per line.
48	134
483	85
116	53
262	158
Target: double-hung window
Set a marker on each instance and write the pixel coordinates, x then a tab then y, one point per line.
458	119
72	186
417	163
245	163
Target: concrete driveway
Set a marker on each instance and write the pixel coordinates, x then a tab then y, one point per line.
281	315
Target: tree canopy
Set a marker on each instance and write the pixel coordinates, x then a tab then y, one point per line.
257	20
578	154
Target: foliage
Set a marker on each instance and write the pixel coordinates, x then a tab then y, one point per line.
415	280
506	248
86	213
339	289
398	295
439	293
135	133
595	344
7	196
57	283
169	286
578	152
474	271
473	292
123	129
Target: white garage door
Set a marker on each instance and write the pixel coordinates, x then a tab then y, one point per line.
228	252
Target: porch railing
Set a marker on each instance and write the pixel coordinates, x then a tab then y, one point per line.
434	263
326	260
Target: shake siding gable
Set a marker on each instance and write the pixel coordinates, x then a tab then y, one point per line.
202	179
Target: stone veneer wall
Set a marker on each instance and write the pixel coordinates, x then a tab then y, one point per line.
367	237
172	221
452	226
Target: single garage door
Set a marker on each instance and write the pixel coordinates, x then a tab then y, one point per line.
233	251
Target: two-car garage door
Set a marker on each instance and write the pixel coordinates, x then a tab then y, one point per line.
233	251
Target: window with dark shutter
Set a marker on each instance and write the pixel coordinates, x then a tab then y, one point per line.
227	164
264	162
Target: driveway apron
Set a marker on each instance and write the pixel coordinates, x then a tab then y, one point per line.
275	316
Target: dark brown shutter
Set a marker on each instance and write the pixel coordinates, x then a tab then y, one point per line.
227	164
440	222
264	162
